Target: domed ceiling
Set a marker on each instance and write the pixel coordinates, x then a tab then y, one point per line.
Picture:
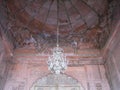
82	23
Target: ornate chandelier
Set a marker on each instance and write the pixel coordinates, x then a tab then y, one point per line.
57	62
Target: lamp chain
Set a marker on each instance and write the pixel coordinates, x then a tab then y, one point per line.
57	23
57	36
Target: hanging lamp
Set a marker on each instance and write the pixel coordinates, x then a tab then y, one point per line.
57	62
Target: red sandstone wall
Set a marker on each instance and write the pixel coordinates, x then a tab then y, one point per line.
5	50
4	65
5	59
27	70
113	61
112	49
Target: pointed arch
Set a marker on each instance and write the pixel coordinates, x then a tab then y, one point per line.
53	82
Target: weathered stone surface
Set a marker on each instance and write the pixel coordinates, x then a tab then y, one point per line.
112	50
26	67
85	23
29	74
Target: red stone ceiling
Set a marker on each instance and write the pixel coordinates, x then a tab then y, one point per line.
82	22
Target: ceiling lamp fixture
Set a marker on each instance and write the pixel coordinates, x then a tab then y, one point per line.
57	62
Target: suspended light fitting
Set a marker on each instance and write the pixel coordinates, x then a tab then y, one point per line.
57	62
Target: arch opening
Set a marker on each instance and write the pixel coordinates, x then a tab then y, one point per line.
57	82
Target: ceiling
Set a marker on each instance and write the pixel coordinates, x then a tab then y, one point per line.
83	24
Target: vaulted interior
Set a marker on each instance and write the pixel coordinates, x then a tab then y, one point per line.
88	33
